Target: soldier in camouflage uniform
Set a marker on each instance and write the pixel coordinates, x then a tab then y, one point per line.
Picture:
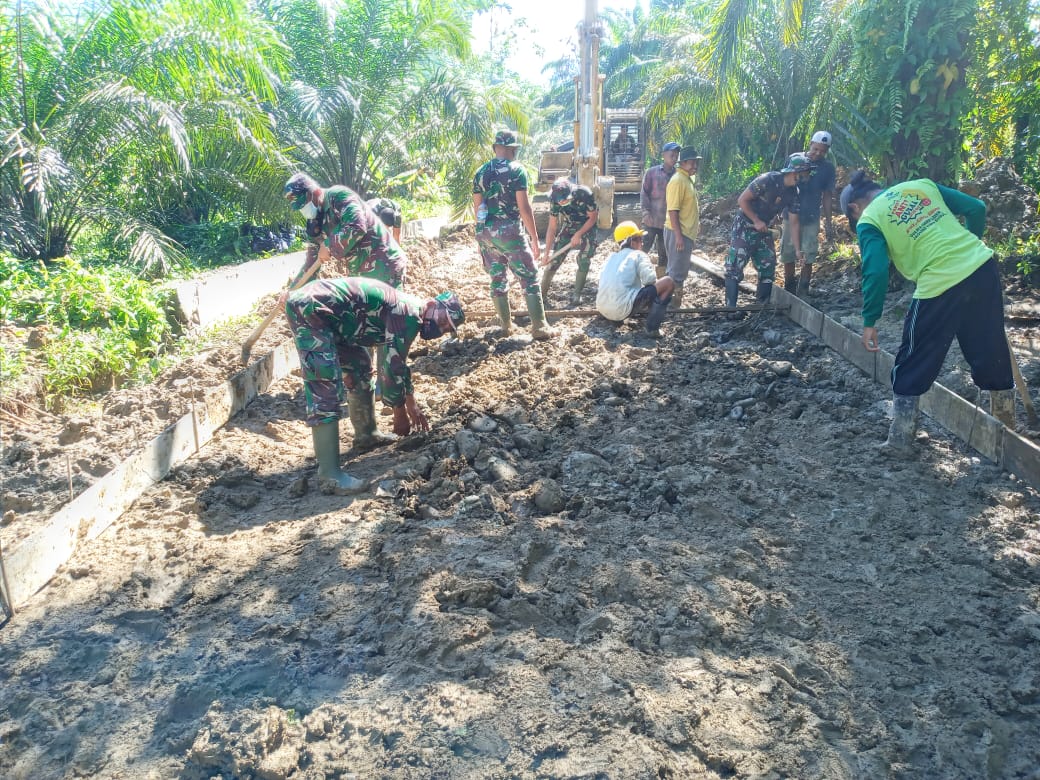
352	232
751	239
333	321
573	208
499	204
389	212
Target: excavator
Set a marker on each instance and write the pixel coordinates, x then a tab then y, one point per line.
609	150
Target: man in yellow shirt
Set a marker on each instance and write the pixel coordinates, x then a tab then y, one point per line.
683	223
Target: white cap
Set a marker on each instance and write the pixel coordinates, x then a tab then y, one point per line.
821	137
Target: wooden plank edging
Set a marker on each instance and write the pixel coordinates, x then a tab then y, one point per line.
32	563
972	424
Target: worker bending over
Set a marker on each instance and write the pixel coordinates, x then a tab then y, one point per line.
751	239
958	291
628	283
333	321
348	231
573	212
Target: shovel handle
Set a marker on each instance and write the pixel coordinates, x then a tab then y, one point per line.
247	345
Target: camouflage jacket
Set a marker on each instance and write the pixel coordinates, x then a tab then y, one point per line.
577	210
355	234
498	181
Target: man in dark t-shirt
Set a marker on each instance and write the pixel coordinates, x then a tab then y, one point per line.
815	195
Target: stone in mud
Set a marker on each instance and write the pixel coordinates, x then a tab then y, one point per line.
781	368
468	444
74	430
549	496
772	337
529	439
483	424
298	487
501	470
584	464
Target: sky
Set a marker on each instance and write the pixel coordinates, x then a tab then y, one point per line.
545	29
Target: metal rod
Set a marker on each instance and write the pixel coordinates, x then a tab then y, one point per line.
480	315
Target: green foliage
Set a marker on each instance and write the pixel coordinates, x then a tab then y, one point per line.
103	325
132	114
911	58
381	85
1005	104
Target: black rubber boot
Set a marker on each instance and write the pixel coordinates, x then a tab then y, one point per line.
763	291
331	478
790	278
676	297
361	408
656	315
732	288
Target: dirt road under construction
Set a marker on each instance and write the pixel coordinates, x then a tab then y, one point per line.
612	557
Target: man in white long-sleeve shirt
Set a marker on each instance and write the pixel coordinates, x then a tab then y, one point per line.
628	284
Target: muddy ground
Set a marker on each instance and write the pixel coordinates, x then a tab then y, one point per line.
612	557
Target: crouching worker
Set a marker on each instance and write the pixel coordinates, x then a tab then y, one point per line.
333	321
628	283
958	291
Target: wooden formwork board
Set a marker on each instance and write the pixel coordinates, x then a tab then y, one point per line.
31	564
969	422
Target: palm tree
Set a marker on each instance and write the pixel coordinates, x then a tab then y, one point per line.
107	112
750	79
380	88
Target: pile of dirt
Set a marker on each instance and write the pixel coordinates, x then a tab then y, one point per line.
612	556
1011	205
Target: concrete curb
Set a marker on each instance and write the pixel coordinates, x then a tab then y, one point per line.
31	564
971	424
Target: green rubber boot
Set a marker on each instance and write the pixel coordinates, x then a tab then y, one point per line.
362	411
540	330
501	303
547	277
904	425
331	478
579	285
1002	406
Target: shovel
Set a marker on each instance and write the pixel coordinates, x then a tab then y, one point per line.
247	346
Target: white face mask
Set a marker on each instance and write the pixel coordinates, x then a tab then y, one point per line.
309	210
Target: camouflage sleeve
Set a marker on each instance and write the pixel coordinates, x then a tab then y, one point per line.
759	185
396	379
308	261
478	181
348	231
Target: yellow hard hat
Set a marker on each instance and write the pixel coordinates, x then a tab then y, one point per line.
626	230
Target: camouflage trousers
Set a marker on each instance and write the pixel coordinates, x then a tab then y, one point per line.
330	365
503	246
746	243
586	249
